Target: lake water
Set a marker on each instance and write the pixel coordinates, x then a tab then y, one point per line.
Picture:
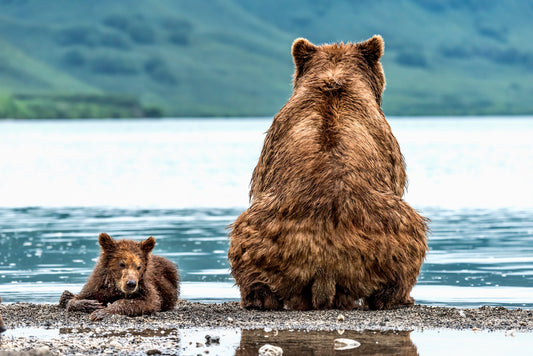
184	181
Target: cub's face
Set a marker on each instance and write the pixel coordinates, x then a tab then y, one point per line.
130	268
125	261
351	67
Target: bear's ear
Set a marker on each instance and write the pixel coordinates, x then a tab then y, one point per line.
106	242
302	51
148	245
372	49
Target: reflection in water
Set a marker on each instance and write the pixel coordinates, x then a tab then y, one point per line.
234	341
171	334
229	341
323	343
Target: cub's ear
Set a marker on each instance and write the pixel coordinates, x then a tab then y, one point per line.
372	49
302	51
106	242
148	245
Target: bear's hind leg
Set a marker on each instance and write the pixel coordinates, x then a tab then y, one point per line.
323	292
260	296
300	299
344	300
389	297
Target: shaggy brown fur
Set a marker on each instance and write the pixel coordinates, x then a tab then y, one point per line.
327	225
127	280
2	325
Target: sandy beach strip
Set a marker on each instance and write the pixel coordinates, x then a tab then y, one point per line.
135	335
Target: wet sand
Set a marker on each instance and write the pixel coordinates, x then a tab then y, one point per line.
161	333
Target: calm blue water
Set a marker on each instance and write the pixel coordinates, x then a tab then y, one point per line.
184	181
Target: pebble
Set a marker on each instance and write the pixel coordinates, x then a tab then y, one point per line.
115	344
270	350
345	344
43	350
340	317
212	340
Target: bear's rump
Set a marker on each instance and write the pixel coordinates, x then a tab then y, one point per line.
292	259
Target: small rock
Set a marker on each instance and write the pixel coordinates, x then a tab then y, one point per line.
153	352
115	344
340	317
43	350
199	344
270	350
212	340
346	344
230	319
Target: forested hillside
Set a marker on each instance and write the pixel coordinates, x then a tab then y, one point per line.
120	58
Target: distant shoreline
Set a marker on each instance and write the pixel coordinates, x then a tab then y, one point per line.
268	117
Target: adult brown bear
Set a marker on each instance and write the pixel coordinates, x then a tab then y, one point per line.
327	226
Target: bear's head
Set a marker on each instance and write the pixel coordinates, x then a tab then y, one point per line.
125	261
353	67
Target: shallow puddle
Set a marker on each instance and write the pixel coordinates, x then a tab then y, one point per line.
234	341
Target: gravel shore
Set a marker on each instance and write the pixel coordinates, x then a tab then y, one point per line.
202	326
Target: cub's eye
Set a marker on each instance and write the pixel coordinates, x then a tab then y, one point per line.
122	264
138	268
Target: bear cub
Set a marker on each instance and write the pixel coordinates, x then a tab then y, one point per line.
127	280
327	226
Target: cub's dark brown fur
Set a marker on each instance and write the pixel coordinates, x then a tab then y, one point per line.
327	225
127	280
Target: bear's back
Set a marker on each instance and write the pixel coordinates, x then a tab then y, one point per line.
331	140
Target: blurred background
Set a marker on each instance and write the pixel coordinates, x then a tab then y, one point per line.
132	58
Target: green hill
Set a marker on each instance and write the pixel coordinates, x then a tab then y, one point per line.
123	58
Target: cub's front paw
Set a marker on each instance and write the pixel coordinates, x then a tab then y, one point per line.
65	297
99	314
84	305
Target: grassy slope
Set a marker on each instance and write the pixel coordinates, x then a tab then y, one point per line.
194	58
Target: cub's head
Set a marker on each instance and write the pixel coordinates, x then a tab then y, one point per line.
125	261
353	67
